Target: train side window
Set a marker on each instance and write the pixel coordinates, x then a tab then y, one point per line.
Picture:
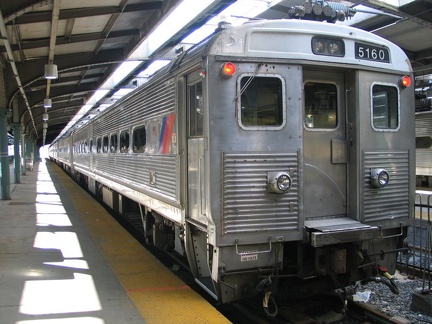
261	102
196	109
113	143
385	107
139	139
99	145
320	105
105	144
124	141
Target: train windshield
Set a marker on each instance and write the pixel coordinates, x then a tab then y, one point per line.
261	102
385	107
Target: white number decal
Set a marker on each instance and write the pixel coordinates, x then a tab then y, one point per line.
371	53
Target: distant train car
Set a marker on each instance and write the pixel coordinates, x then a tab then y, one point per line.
423	130
275	155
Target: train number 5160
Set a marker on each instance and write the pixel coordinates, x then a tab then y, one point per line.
371	53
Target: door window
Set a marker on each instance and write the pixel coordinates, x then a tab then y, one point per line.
196	109
320	105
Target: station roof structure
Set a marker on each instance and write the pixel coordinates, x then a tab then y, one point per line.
99	50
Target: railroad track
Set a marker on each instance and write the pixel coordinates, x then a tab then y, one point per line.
299	313
370	313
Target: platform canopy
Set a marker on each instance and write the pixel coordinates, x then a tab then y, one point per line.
66	61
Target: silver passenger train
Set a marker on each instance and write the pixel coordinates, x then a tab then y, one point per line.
275	155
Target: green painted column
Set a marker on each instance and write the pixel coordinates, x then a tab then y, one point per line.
17	161
23	153
36	150
4	159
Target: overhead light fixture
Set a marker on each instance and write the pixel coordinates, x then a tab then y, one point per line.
51	71
45	116
47	103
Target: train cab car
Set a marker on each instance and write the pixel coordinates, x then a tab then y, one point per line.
274	152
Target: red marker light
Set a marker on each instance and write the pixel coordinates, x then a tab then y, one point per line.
405	81
228	69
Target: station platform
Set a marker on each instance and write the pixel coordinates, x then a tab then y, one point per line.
64	259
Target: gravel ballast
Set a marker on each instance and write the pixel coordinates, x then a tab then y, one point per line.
395	304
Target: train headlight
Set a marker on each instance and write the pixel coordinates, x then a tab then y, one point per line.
334	48
318	47
379	178
278	182
328	46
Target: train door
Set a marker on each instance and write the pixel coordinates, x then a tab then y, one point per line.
325	158
195	240
195	149
326	162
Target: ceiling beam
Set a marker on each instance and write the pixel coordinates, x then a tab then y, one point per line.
403	11
37	97
110	25
32	71
43	16
62	80
31	44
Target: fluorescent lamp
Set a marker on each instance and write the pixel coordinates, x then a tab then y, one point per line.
185	12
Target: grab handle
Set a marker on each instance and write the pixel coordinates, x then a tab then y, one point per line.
252	252
390	236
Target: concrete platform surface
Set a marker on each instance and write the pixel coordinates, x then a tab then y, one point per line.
64	259
51	271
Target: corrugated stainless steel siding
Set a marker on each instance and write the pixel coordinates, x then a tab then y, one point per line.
142	106
392	201
135	170
247	206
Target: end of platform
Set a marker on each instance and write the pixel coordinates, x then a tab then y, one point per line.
422	301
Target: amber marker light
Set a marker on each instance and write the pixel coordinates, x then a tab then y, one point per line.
228	69
405	81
